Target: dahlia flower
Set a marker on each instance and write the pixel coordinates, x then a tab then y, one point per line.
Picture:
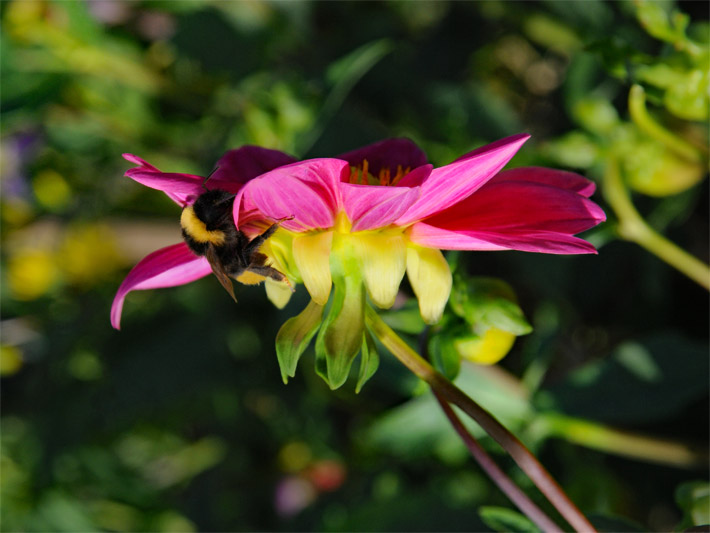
360	221
385	208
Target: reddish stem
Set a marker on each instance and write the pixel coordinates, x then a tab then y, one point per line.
510	489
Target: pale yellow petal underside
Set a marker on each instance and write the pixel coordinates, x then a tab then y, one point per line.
382	259
278	292
430	277
311	252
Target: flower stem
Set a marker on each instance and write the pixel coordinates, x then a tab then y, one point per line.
510	489
510	443
611	440
633	227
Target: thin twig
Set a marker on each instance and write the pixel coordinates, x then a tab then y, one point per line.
510	443
505	484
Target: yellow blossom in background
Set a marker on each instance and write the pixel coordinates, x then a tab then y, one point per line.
31	273
51	190
88	254
10	360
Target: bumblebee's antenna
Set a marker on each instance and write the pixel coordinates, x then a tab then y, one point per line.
204	183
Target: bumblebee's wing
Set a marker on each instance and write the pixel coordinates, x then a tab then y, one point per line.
219	271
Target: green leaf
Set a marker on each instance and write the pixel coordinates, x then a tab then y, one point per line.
343	75
596	115
488	302
654	18
650	379
575	149
407	319
418	428
506	520
443	355
346	71
294	337
688	99
369	361
694	499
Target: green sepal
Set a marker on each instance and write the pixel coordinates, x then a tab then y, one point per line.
294	337
340	338
443	354
488	302
369	361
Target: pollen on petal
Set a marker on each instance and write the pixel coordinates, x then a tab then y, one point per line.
311	252
250	278
382	260
430	277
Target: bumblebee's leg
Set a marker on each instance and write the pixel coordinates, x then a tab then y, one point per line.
268	272
257	241
258	266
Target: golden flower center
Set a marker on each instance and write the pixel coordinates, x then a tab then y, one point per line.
360	175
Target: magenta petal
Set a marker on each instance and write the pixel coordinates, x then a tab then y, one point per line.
373	206
424	234
548	176
504	207
180	188
138	161
167	267
547	242
493	146
307	191
416	177
168	182
532	241
389	153
450	184
246	163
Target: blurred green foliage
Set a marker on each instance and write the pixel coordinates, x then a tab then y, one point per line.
180	422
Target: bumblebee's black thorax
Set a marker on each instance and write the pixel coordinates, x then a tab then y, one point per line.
209	221
208	229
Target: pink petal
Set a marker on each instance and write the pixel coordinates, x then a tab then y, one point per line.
416	177
547	242
167	267
508	206
246	163
532	241
519	215
387	154
424	234
548	176
138	161
450	184
374	206
308	191
492	146
181	188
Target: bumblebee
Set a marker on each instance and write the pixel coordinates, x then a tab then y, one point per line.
208	229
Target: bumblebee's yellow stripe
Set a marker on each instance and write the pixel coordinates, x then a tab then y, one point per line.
250	278
196	229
